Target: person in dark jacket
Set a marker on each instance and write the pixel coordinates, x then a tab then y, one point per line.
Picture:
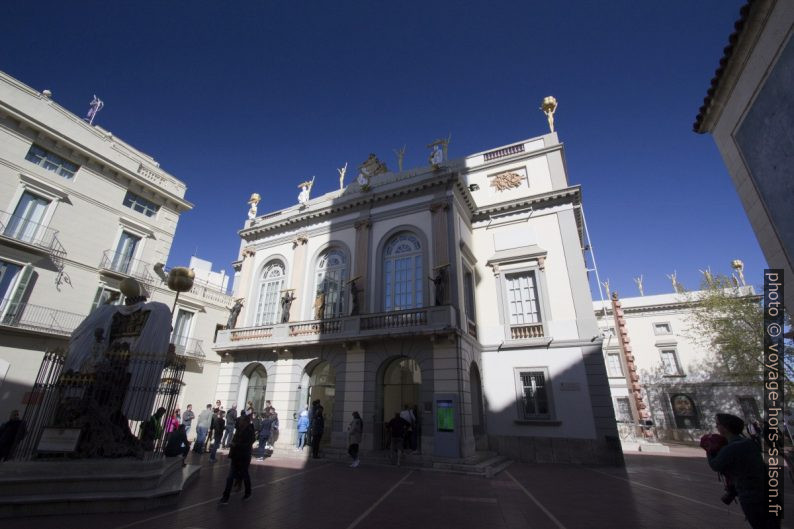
177	444
231	418
217	428
10	434
741	462
240	457
316	430
265	431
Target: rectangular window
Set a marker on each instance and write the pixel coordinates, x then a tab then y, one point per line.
670	362
468	293
624	410
105	295
522	298
125	252
182	326
140	204
51	162
614	367
534	395
26	222
662	328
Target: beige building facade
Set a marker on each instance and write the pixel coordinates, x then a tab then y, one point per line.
80	210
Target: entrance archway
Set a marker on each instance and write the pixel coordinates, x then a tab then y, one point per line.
319	383
402	386
253	386
475	387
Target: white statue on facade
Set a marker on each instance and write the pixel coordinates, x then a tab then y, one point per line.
678	288
638	282
306	189
342	172
708	276
253	201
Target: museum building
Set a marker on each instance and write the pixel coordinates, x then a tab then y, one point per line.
458	289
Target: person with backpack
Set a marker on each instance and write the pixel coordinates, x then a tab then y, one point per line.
240	458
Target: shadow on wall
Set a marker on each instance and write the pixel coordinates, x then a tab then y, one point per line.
543	421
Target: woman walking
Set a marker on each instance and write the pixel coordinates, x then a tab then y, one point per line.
354	437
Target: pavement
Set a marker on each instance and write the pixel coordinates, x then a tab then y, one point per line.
654	491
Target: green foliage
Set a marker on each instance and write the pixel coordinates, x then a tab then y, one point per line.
727	320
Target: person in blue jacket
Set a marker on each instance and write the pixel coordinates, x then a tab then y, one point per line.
303	428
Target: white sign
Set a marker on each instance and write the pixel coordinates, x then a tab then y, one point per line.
59	440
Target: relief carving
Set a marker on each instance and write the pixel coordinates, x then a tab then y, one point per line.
505	181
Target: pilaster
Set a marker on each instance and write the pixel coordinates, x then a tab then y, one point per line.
299	256
361	262
246	273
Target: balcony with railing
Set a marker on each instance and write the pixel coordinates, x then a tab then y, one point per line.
427	320
29	233
122	264
38	319
188	347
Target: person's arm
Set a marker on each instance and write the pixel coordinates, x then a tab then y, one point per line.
724	459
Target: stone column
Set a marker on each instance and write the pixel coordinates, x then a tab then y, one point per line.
244	290
296	278
355	372
361	263
283	381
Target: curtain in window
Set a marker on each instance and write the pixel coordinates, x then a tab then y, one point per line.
402	273
331	277
270	287
25	224
182	328
125	252
522	298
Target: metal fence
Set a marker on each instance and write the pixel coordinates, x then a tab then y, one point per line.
108	397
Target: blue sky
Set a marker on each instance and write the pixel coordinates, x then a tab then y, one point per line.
256	96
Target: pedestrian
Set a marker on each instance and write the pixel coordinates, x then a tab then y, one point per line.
218	406
408	416
216	433
303	428
231	418
397	427
11	432
171	424
312	413
249	407
187	418
316	430
274	429
354	432
265	430
177	444
240	458
742	464
203	424
152	430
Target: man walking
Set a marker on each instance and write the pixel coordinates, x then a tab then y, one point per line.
231	418
187	418
202	428
216	432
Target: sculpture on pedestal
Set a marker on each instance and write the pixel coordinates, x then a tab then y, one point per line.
234	313
112	373
354	292
306	189
286	304
372	166
438	153
440	284
342	171
253	201
549	107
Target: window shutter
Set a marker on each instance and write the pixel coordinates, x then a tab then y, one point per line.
15	305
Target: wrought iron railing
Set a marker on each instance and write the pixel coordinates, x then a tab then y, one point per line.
38	318
397	319
123	264
525	332
189	347
33	233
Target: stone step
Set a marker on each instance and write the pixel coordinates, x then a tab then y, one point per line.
104	499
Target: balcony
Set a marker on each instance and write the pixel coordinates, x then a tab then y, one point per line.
526	331
121	265
39	319
428	320
29	233
188	347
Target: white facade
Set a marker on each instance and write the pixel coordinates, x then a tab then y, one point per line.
511	345
79	211
683	384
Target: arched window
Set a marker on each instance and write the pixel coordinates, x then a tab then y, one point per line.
331	276
270	286
402	272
